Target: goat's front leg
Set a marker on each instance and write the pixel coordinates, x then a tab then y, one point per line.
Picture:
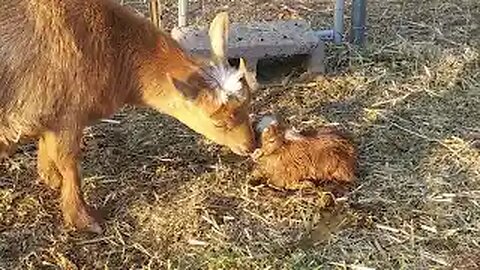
300	185
63	149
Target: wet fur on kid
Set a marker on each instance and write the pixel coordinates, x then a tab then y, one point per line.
290	159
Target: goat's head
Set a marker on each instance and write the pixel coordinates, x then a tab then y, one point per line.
271	130
210	97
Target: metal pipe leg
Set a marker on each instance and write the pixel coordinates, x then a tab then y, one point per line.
359	14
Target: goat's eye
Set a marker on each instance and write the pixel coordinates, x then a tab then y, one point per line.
219	124
272	140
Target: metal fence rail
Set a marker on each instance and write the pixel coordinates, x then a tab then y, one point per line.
335	34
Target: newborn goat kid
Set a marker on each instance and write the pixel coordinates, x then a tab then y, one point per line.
291	160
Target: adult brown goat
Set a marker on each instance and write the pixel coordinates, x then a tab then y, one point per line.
67	63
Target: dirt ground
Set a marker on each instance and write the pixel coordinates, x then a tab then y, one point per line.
172	200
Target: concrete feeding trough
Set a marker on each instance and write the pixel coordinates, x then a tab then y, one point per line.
259	40
273	39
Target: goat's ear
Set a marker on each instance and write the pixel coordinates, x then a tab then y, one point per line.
184	88
249	77
218	34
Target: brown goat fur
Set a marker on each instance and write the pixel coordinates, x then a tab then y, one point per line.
292	160
66	63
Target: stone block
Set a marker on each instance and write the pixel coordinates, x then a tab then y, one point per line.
259	40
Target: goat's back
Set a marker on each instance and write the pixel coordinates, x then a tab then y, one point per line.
66	61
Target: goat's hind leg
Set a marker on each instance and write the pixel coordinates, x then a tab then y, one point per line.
47	170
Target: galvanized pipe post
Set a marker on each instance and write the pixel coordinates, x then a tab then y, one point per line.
338	24
182	13
359	14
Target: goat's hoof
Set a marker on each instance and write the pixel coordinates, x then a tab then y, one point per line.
84	221
326	199
256	155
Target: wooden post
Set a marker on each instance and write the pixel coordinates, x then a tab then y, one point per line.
156	12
